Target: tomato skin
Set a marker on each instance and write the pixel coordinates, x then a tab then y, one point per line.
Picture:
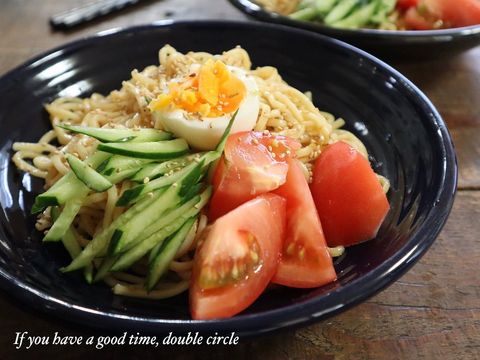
415	21
304	231
405	4
349	198
455	12
264	218
250	166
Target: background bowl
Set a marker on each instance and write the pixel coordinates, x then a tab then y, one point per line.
389	45
406	137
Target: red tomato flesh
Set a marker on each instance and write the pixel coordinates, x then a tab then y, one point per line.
237	257
253	163
305	261
415	21
455	12
405	4
349	198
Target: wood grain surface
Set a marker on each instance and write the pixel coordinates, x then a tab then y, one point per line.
433	312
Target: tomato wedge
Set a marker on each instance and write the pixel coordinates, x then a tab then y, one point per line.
237	257
349	198
405	4
455	12
416	21
253	163
305	262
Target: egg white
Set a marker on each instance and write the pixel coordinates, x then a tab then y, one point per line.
204	133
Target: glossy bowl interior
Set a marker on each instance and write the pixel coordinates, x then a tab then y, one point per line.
407	140
386	44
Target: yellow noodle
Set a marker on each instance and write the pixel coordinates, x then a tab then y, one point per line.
135	291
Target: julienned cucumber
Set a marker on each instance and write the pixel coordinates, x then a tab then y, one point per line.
99	244
117	168
104	268
155	227
127	233
357	18
340	11
133	194
119	135
141	236
185	203
87	175
77	192
223	139
154	170
68	239
159	150
67	187
167	253
64	220
169	217
118	163
149	243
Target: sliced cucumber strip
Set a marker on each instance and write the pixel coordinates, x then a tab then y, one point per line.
149	243
158	150
127	233
119	135
64	189
87	175
116	177
67	187
88	273
305	14
135	193
170	216
324	6
64	220
69	240
357	18
340	11
154	170
104	268
118	163
99	243
166	254
223	139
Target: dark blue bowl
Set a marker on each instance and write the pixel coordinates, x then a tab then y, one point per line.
387	44
403	132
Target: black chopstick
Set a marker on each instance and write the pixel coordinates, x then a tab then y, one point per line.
85	13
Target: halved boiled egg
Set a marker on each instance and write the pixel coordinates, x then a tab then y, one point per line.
199	107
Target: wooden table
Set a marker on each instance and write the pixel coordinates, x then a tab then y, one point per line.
433	312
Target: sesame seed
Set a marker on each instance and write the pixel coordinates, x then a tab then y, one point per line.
146	180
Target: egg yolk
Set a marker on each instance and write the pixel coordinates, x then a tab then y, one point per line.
213	92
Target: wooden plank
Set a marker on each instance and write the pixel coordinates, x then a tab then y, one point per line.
452	83
467	145
24	24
